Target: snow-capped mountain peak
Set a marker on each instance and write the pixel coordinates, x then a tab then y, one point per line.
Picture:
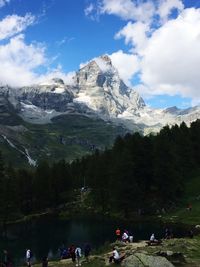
97	91
102	89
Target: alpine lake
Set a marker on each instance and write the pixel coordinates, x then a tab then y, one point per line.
45	235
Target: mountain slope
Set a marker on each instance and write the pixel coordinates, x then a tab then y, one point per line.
68	137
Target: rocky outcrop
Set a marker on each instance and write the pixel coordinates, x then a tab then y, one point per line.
144	260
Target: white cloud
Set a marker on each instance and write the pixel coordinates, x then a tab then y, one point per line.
3	2
171	59
19	60
135	10
20	63
128	9
14	24
126	64
167	6
135	34
65	40
89	9
165	46
57	73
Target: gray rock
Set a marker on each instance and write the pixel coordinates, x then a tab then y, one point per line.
174	257
143	260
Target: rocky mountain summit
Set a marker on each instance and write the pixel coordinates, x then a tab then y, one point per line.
97	96
97	91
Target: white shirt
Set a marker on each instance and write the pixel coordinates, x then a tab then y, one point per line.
79	251
124	236
152	238
28	254
116	254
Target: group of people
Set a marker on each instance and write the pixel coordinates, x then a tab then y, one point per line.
125	237
75	253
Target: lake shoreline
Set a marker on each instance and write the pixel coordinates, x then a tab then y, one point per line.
184	251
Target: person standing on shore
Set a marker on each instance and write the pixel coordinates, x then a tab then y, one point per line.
118	233
87	250
72	253
28	257
78	256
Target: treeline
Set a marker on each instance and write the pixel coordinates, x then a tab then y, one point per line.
138	173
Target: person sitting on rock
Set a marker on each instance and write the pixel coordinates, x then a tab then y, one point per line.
153	241
125	237
115	256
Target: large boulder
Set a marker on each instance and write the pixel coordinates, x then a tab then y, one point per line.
143	260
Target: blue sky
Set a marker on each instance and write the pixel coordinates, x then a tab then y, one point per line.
154	44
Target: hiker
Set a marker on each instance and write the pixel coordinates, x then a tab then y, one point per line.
78	256
28	257
191	233
72	253
167	234
189	207
6	259
153	239
130	237
118	233
64	254
125	237
87	250
115	256
45	261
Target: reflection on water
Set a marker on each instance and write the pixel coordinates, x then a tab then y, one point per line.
46	235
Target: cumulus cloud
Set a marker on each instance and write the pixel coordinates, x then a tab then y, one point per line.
14	24
167	6
3	2
19	60
126	64
171	60
165	38
20	63
135	10
125	9
135	34
68	78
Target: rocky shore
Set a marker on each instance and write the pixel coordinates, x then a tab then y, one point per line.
170	253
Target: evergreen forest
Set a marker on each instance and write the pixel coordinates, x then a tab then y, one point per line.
139	173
